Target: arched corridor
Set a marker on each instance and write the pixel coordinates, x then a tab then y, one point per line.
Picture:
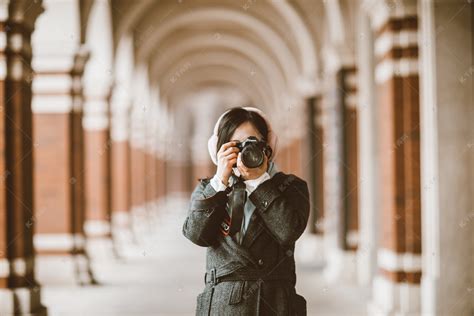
106	113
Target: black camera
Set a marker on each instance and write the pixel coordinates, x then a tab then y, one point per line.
253	151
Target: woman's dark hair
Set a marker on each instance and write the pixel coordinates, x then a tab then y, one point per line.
236	117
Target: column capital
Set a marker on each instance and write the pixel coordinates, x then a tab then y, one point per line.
307	87
382	11
336	57
21	12
81	57
58	81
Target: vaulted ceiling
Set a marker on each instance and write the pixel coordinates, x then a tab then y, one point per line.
268	52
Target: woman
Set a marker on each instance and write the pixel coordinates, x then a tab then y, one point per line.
249	220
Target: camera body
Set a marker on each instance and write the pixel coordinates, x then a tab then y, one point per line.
253	152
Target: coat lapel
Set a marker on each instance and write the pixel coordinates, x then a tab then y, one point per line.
256	226
254	229
244	255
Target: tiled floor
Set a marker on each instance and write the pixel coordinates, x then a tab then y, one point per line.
162	276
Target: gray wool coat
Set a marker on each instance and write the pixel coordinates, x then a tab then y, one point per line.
256	277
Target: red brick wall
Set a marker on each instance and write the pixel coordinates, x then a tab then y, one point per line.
349	159
120	176
203	170
352	172
161	173
96	147
51	173
150	177
137	164
179	177
289	158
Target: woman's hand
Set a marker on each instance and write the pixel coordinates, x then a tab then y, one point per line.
226	158
252	173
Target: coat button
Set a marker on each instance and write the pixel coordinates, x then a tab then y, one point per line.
265	203
260	262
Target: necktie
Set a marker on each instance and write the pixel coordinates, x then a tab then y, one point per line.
237	202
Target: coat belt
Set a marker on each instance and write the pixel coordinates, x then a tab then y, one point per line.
246	275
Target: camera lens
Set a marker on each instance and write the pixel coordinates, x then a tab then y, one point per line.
252	156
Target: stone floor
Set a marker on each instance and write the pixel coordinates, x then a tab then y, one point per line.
162	276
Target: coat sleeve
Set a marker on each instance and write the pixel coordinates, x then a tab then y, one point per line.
283	207
205	214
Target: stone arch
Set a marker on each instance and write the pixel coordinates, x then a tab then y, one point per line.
227	59
222	73
229	43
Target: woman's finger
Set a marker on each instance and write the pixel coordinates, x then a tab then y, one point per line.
231	156
226	157
226	146
229	151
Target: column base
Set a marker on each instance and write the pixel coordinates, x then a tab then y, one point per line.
64	269
21	301
366	264
121	232
97	228
341	266
394	299
100	248
99	243
151	222
138	223
429	295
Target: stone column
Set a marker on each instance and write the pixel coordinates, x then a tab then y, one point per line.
120	136
138	141
161	155
120	167
138	172
396	288
179	169
161	167
202	122
332	174
77	175
315	164
150	159
97	149
98	85
151	178
158	125
57	103
367	147
19	291
447	156
347	83
340	166
311	166
155	148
